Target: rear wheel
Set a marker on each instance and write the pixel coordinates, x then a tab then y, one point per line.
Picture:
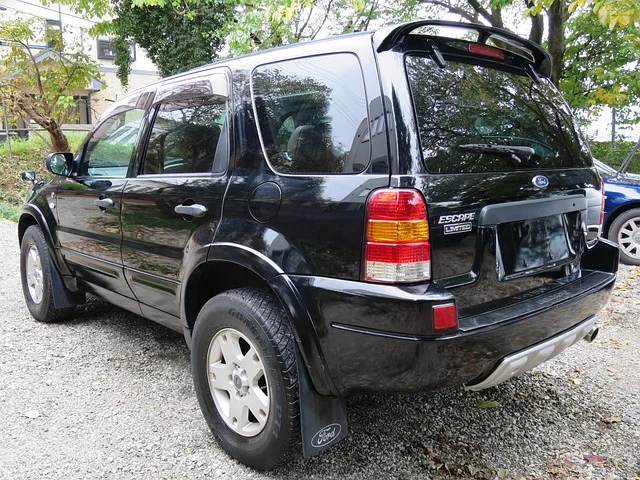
35	272
243	362
625	231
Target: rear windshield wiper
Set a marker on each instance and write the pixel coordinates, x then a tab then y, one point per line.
515	152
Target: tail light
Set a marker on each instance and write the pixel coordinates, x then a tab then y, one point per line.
602	204
397	248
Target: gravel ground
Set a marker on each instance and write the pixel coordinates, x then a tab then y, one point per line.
109	395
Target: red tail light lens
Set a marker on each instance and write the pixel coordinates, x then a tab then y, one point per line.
397	248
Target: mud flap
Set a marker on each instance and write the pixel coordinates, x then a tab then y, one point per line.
62	296
323	419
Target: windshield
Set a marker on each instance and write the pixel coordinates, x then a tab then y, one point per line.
469	115
604	169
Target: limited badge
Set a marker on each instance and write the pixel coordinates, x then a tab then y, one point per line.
457	228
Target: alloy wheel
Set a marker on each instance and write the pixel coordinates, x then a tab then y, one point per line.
238	382
629	238
35	281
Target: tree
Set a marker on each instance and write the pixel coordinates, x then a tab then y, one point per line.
592	66
613	13
262	24
180	34
599	65
176	36
272	23
40	84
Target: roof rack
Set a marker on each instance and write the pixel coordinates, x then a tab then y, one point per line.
389	37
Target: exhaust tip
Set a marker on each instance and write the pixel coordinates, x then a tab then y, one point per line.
591	336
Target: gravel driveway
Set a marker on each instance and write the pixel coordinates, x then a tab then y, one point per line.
109	395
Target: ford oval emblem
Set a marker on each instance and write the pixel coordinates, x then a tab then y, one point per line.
540	181
326	435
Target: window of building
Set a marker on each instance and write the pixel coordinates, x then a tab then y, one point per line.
53	33
312	114
107	51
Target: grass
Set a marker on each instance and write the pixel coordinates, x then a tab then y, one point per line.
10	212
26	154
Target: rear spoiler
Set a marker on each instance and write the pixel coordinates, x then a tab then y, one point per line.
389	37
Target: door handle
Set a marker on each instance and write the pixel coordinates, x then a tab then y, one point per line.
103	203
194	210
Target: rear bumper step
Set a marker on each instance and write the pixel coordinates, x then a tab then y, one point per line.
529	358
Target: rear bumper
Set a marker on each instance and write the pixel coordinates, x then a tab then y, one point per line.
379	338
529	358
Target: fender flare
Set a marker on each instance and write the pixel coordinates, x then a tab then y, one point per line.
31	210
62	296
285	290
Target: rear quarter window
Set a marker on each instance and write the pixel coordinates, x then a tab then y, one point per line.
475	119
312	114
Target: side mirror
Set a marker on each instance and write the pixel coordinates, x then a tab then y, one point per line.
60	163
28	176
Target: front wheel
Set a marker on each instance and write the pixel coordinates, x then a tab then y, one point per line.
35	273
243	361
625	231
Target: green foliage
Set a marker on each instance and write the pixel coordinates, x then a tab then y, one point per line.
9	212
27	154
271	23
612	13
181	34
177	36
40	84
601	67
616	155
123	58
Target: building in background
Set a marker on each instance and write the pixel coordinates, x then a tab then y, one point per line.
97	97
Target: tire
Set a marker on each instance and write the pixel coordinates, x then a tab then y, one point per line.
35	272
236	325
625	231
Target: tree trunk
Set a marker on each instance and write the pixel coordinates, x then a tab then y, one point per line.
537	26
558	15
59	142
26	103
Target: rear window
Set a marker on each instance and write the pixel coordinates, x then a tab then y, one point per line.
474	119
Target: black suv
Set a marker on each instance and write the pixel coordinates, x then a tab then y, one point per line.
402	210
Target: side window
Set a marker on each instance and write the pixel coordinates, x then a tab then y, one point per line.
188	136
109	150
312	114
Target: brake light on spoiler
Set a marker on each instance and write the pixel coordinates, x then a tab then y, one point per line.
486	51
397	247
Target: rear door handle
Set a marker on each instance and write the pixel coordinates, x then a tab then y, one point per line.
194	210
103	203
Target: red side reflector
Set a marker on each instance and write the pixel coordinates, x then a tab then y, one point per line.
486	51
445	316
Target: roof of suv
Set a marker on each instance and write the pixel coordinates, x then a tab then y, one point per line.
383	39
